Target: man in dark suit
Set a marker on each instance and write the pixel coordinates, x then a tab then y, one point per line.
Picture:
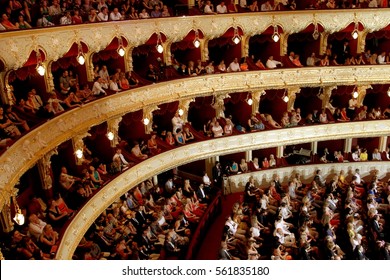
201	194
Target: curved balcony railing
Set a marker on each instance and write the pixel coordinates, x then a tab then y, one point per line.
17	46
220	146
23	154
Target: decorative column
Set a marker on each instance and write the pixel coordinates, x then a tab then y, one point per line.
314	147
219	105
325	95
48	77
78	147
184	105
5	217
361	44
291	93
89	66
46	173
382	143
256	97
362	90
148	118
348	145
279	151
248	156
112	131
283	43
128	59
323	42
167	52
210	163
245	45
5	89
204	51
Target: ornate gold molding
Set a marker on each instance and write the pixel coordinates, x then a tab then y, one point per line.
263	178
17	46
207	149
30	148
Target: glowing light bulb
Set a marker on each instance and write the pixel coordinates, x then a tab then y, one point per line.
181	112
81	59
110	136
19	218
41	69
355	94
286	98
121	51
160	48
196	43
275	37
355	34
250	101
146	121
79	153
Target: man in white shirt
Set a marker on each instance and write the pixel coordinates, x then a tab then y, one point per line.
115	15
234	66
66	19
177	123
358	179
103	15
119	158
373	4
266	7
221	8
36	225
209	8
98	87
382	58
272	64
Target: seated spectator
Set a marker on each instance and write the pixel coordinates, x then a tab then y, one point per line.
115	15
228	128
6	23
179	136
152	145
266	7
272	161
221	8
272	64
188	136
99	87
324	61
170	139
156	13
285	121
66	19
312	60
364	155
323	117
296	61
21	23
265	163
165	11
136	151
35	226
143	14
119	160
255	124
8	128
48	240
103	15
221	66
260	65
209	8
15	118
152	74
243	166
376	155
217	130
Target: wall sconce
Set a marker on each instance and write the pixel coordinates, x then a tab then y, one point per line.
146	121
181	112
196	41
80	57
79	153
316	33
355	32
285	97
276	36
355	93
249	100
40	67
159	46
388	92
236	37
110	136
121	50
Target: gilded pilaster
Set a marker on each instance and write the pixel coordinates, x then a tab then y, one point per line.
45	171
382	143
362	90
78	147
184	105
256	97
148	118
325	96
292	95
113	127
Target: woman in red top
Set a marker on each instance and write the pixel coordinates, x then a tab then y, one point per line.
170	139
265	163
76	18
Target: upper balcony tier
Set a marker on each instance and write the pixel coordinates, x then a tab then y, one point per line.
54	42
